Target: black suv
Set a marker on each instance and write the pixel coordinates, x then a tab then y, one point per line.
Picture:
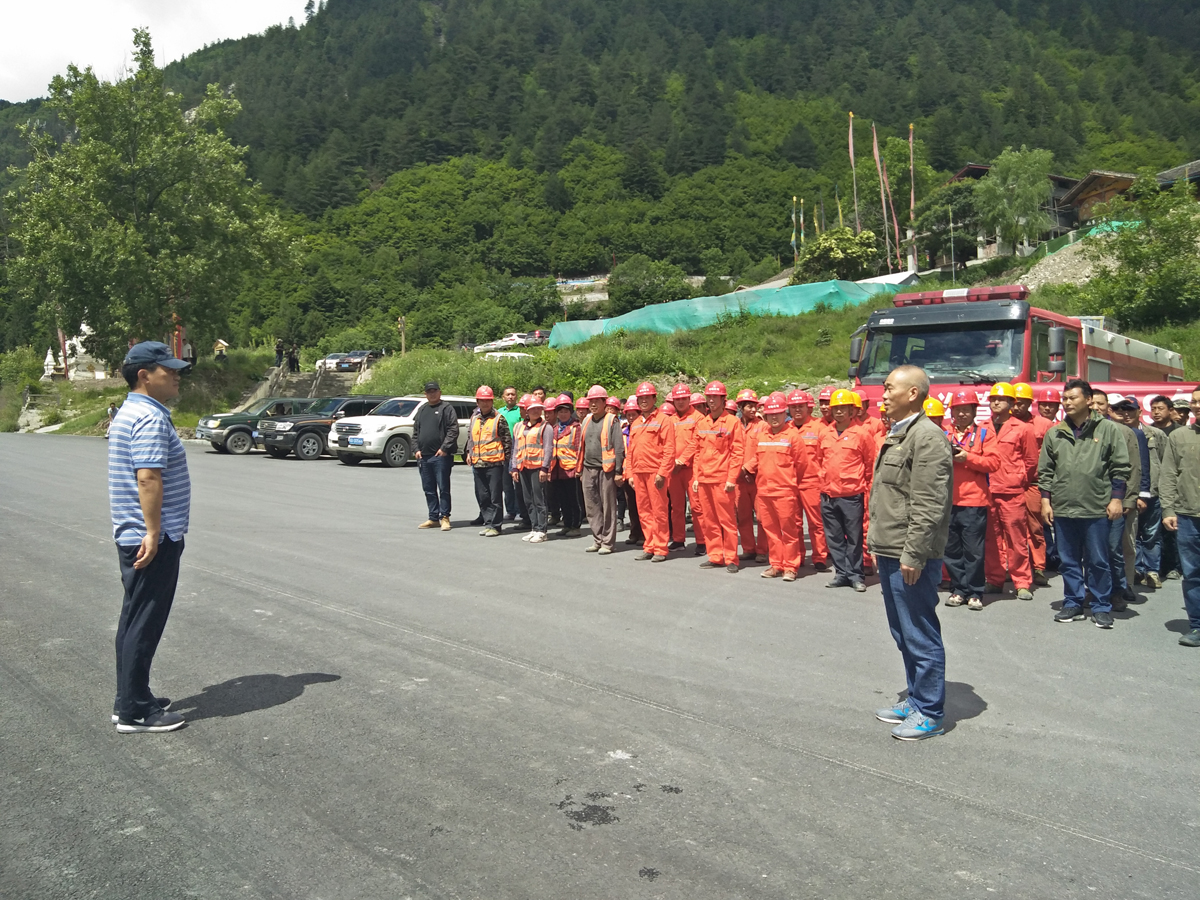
307	434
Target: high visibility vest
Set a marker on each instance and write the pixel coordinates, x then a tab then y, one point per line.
486	446
608	453
530	451
568	449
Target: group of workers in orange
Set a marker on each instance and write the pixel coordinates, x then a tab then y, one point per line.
763	473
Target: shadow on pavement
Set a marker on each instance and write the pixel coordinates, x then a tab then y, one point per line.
248	693
962	703
1179	626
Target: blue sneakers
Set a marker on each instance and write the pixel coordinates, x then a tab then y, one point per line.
917	727
896	713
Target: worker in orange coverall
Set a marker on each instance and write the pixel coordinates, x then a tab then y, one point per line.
800	405
679	488
754	544
777	457
720	448
650	462
1008	528
1023	410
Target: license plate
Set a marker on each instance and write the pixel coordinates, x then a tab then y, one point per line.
255	434
356	442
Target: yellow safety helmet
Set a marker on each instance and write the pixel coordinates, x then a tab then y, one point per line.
843	397
1002	389
934	409
1024	391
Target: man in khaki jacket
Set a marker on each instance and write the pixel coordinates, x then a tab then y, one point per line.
1179	487
911	493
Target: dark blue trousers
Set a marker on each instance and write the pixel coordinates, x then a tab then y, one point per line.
1083	545
489	492
1188	542
912	618
149	593
1149	537
435	481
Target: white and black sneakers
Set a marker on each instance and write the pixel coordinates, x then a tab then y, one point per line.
156	722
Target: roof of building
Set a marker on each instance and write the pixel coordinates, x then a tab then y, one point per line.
1190	171
978	170
1098	179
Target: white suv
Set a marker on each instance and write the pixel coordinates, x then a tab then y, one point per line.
386	434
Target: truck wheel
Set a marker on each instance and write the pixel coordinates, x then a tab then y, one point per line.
276	452
239	443
309	445
220	448
350	459
395	452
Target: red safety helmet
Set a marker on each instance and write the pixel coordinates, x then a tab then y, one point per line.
826	393
698	399
731	406
681	392
524	402
862	398
484	393
799	398
776	403
608	401
1049	395
715	389
747	396
668	409
964	398
535	403
631	405
581	403
646	389
565	398
595	392
551	404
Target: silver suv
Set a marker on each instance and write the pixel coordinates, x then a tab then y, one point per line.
386	434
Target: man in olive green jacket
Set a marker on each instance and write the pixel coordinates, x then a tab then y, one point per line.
1082	474
1179	490
911	493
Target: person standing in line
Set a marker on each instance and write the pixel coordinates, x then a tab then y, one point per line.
601	467
910	522
877	431
846	455
1049	404
975	459
1122	532
1023	410
278	352
650	463
823	399
1162	411
1144	506
435	436
1181	412
1150	532
720	448
512	497
679	486
778	457
800	406
637	536
564	474
532	457
150	498
1082	474
1179	490
754	542
489	447
1008	529
293	359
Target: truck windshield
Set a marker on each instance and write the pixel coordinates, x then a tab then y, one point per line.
400	408
959	353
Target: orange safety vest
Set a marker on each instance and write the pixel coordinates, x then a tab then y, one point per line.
608	453
486	446
568	449
530	451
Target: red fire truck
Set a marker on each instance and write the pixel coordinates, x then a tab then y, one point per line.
971	338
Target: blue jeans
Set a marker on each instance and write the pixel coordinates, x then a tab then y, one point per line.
435	481
1083	545
149	594
912	618
1052	559
1188	542
1149	537
1116	554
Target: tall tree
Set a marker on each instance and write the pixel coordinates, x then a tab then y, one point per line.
1009	199
145	218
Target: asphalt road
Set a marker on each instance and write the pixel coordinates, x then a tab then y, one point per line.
381	712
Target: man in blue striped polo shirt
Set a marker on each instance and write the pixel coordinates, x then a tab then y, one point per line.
150	497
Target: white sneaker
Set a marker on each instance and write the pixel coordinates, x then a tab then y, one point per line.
529	537
539	537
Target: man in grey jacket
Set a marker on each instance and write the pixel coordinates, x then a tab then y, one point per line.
911	493
1179	487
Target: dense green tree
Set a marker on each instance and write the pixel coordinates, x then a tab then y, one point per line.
837	253
1148	257
641	281
144	218
953	200
1009	199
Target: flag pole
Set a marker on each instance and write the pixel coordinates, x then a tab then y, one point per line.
912	198
801	221
795	252
854	175
838	197
887	239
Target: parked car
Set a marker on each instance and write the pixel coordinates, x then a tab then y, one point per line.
516	339
386	432
353	361
237	432
305	434
330	362
538	337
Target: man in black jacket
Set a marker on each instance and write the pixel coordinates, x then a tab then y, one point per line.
435	434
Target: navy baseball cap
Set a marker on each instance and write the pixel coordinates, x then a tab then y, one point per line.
148	352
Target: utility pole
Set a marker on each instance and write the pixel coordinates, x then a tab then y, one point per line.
400	325
953	279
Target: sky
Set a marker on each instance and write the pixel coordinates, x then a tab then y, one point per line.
38	38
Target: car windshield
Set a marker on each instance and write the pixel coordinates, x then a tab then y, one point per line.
337	355
357	353
958	353
325	407
401	408
261	407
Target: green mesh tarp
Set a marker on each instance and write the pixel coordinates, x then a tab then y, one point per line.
684	315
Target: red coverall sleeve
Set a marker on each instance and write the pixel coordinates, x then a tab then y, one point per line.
869	452
1029	449
800	459
685	444
667	436
750	457
737	452
984	459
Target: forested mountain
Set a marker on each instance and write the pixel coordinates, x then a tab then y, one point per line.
433	147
